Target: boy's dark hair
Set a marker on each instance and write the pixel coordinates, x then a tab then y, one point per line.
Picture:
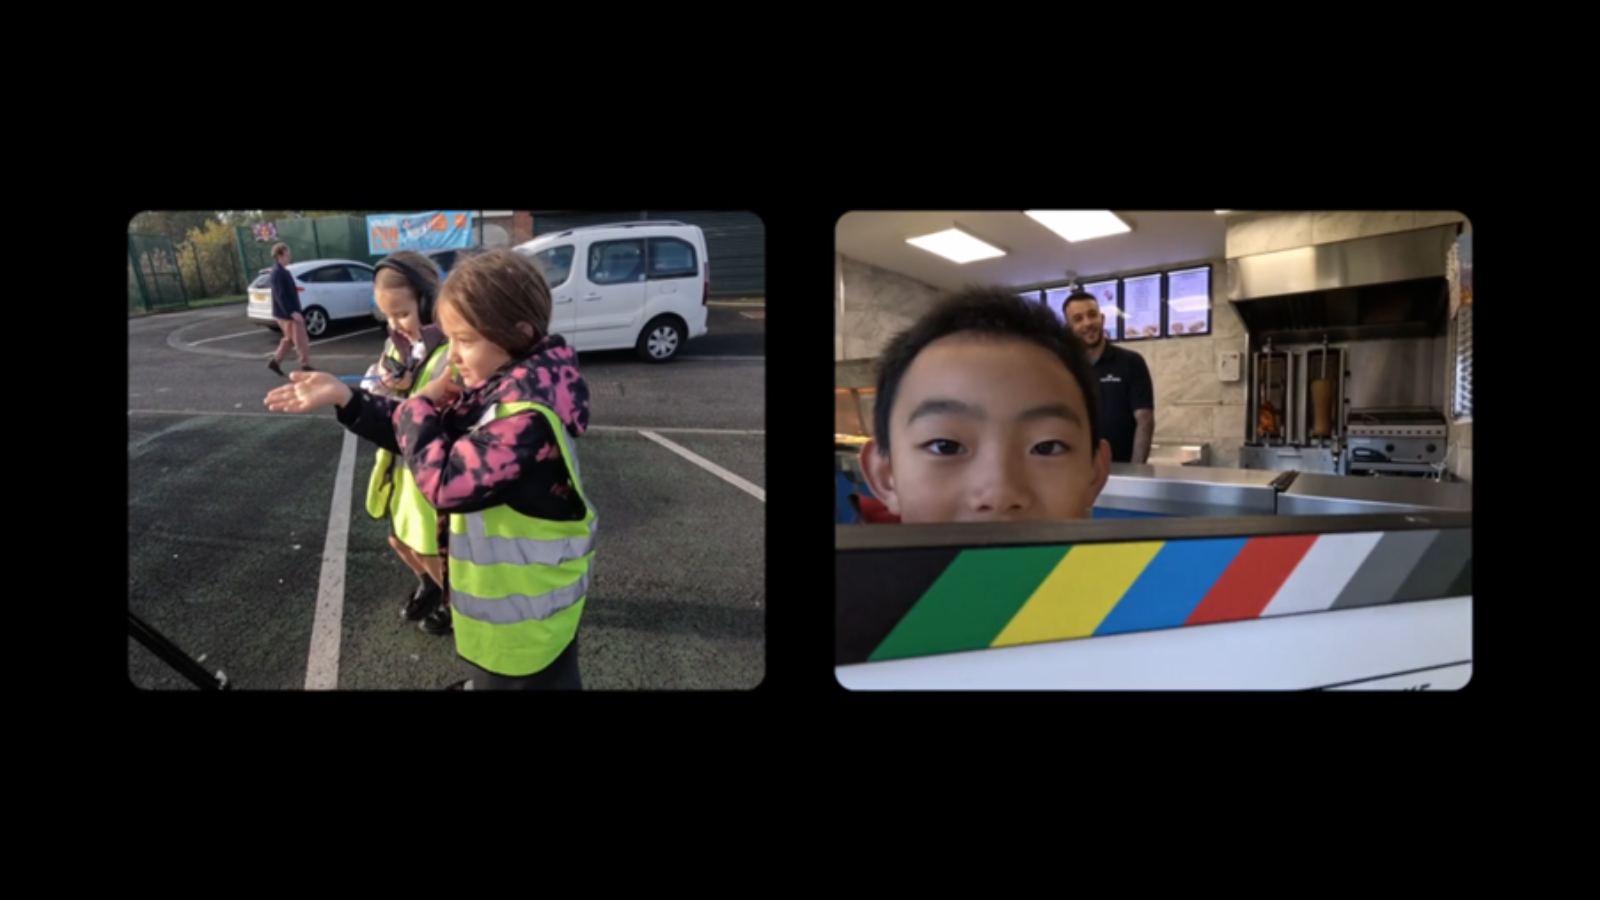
994	311
1077	295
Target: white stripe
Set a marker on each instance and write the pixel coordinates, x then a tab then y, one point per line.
322	670
341	337
1323	573
672	430
225	337
628	428
709	466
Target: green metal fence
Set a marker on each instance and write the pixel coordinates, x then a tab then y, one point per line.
333	237
154	278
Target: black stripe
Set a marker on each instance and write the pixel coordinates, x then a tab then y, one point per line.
1454	665
1462	586
1438	568
875	589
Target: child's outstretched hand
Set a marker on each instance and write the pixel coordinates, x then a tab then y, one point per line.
443	389
308	391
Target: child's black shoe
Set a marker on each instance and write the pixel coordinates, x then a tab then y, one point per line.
437	622
424	600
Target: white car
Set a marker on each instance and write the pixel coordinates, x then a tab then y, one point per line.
641	285
330	290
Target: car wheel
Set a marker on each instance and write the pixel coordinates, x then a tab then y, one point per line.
661	339
316	321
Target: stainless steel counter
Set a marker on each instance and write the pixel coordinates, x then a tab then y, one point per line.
1198	491
1189	491
1325	495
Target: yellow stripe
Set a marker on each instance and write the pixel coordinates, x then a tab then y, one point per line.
1079	593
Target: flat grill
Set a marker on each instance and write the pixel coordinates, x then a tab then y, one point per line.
1397	423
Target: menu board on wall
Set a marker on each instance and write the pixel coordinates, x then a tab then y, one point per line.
1141	298
1030	296
1105	293
1056	299
1189	301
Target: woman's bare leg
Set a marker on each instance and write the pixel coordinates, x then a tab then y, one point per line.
302	340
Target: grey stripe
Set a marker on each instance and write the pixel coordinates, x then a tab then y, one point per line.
477	547
519	607
1385	569
490	551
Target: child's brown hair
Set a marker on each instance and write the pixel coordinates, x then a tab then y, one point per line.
494	292
423	267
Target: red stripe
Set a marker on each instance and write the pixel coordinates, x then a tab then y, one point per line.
1248	585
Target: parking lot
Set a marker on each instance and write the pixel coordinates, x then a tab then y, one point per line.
249	545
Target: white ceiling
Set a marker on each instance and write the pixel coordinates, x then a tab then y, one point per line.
1034	254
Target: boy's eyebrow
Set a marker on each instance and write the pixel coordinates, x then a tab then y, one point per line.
1053	411
943	406
937	406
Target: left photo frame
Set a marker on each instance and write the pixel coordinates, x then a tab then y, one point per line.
418	450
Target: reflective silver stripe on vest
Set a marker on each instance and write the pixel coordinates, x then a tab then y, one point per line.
518	607
480	549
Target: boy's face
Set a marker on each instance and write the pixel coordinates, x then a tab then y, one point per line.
988	430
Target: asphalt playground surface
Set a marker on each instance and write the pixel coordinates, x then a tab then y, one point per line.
239	555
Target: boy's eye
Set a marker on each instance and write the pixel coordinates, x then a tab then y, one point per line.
1050	448
941	447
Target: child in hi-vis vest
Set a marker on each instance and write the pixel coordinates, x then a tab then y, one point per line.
404	288
492	446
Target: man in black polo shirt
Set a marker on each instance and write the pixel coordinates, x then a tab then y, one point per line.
1127	397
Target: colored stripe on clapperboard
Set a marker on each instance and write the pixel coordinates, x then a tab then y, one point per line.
1001	597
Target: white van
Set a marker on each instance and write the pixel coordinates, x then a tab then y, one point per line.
631	284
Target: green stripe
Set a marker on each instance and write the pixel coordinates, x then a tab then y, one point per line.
972	602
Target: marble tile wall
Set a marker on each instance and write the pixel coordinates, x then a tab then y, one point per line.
873	305
1193	404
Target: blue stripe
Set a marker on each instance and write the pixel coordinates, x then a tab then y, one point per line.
1172	585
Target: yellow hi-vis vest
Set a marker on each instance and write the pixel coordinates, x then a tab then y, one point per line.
518	584
392	490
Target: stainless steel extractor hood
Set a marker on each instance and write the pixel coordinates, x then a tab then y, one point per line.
1389	286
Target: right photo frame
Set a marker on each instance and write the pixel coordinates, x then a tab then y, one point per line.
1211	450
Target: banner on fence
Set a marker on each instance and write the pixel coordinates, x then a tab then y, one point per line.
266	231
419	231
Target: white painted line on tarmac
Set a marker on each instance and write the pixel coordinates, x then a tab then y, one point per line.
631	429
239	415
709	466
343	336
322	670
672	430
226	337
